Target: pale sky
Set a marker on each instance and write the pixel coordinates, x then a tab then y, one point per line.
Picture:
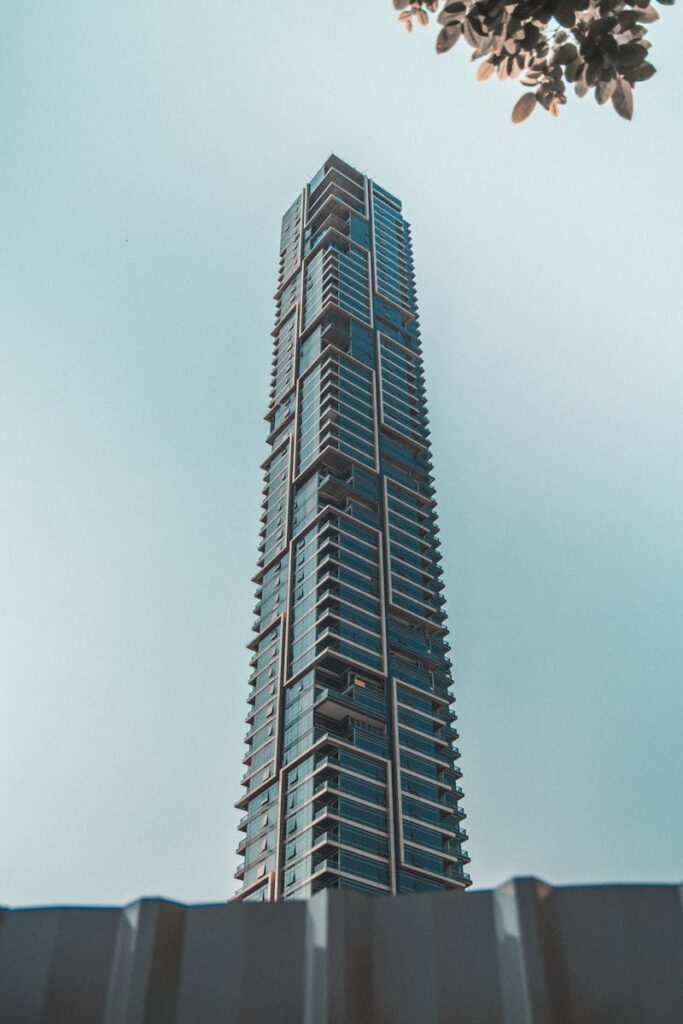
147	153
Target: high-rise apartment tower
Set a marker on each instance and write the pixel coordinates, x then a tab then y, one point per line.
351	776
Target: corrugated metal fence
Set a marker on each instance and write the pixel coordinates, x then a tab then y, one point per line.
524	953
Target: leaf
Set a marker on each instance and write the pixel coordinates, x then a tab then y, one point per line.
592	71
622	100
565	14
566	54
573	70
554	107
485	71
631	55
450	19
645	71
524	107
470	33
628	19
451	10
400	5
448	37
648	16
605	90
422	17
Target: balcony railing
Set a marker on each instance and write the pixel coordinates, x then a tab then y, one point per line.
356	702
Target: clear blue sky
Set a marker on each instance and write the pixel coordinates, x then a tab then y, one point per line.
147	152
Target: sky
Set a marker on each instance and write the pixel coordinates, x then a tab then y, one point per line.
147	154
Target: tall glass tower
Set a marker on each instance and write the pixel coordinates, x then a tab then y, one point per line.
351	776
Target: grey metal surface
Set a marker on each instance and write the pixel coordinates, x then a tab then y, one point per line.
524	953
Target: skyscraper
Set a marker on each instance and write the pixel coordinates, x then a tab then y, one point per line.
351	776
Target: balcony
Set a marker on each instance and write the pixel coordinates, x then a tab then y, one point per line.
333	487
362	734
336	182
326	837
328	864
461	876
361	703
336	331
326	793
419	677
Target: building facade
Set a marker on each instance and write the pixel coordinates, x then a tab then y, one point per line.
351	775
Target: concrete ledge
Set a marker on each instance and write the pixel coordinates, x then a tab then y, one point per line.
524	953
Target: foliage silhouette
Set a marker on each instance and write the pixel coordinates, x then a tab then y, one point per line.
594	45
